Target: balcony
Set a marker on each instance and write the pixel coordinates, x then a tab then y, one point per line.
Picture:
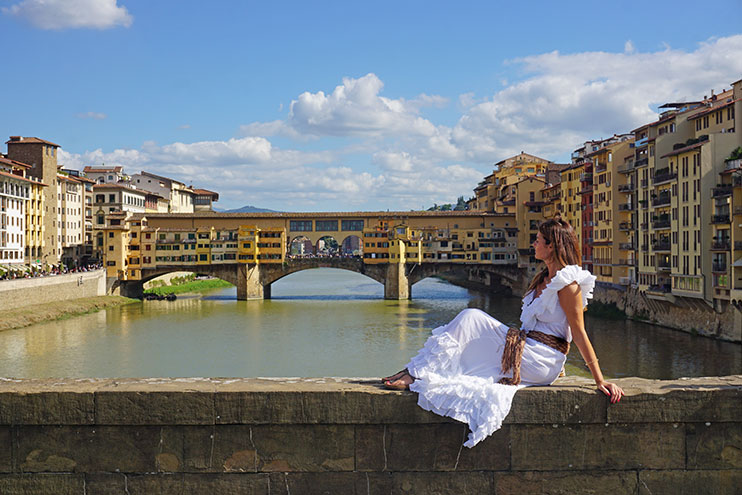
601	167
721	244
644	203
625	207
664	266
661	200
738	245
626	246
661	223
626	262
625	226
733	164
586	177
645	247
663	288
626	187
721	191
641	163
719	267
644	183
717	219
663	245
507	202
625	168
641	142
586	189
664	177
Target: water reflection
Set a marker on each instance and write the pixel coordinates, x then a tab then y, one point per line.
320	322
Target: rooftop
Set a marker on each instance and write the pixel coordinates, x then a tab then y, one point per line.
29	140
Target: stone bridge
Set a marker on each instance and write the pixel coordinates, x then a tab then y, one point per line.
254	281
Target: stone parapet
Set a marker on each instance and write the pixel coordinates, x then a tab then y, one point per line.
39	290
337	435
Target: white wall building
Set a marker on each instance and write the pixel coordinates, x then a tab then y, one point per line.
14	192
179	195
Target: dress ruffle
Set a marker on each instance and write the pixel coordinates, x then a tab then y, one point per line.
480	402
440	354
549	297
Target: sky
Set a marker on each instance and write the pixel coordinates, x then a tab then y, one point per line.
345	106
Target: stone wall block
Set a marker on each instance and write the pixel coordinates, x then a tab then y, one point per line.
566	483
677	404
304	448
399	448
320	408
228	483
6	449
64	449
105	483
218	449
154	408
681	482
714	446
43	407
467	483
558	404
42	484
161	484
578	447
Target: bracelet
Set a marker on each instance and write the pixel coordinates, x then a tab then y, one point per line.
591	362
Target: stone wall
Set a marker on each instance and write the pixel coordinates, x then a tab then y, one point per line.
347	436
684	313
39	290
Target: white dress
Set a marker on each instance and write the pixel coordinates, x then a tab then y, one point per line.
458	369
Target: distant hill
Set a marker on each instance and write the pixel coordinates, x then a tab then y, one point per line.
248	209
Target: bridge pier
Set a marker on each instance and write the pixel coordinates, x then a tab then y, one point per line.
249	285
396	283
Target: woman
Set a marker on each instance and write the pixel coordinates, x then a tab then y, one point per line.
471	368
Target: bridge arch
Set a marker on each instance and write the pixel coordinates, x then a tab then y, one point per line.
273	273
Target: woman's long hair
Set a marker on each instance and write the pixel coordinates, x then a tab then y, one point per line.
563	237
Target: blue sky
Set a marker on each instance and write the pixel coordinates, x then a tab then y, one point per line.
313	106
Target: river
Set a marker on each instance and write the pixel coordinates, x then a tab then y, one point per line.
321	322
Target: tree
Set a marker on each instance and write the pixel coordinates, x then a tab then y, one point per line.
460	204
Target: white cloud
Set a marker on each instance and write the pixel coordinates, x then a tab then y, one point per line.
92	115
71	14
184	126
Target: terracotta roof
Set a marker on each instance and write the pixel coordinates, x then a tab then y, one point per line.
712	109
85	179
29	140
205	192
8	174
13	163
67	178
684	149
331	214
102	170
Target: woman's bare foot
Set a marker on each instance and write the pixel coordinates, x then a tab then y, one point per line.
401	383
396	376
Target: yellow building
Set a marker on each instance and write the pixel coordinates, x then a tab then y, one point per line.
571	200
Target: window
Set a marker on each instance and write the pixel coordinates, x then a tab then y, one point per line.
110	235
326	225
300	225
352	225
111	198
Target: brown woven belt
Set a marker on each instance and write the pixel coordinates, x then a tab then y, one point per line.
515	341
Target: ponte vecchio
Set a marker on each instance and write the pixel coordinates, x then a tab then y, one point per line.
253	250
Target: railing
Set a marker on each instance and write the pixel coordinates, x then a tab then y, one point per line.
719	267
661	200
644	182
720	218
626	246
644	203
641	163
663	265
664	288
601	167
721	244
586	189
721	191
586	176
626	262
661	246
626	187
660	178
661	224
625	168
645	247
733	164
625	226
738	245
602	261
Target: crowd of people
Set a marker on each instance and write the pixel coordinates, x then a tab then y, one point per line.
12	273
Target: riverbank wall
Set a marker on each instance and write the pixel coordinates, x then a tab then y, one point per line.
332	435
22	292
681	313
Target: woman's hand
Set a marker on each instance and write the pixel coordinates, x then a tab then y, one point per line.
611	390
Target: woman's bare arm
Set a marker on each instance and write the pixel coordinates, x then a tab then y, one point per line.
570	298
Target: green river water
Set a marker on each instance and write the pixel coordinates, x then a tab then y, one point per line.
321	322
